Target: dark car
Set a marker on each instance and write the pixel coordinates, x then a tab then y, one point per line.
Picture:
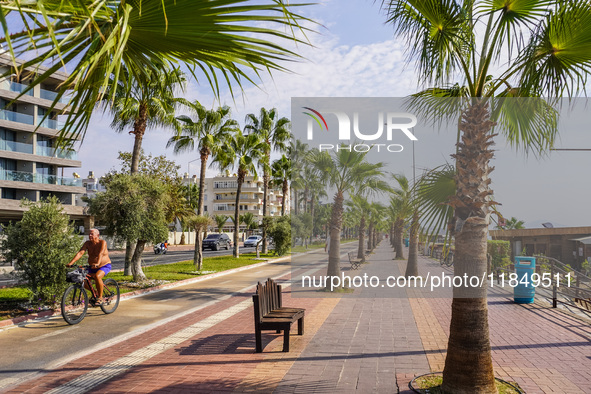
217	241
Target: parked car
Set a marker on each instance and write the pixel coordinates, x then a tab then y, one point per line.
217	241
253	240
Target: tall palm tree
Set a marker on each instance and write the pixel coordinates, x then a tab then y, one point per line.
96	41
346	172
297	152
208	134
550	59
144	105
281	171
243	152
275	134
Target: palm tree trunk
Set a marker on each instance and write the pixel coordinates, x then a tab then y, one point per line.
312	214
198	252
369	237
361	247
265	191
398	229
136	262
412	268
336	221
240	180
285	187
295	201
469	342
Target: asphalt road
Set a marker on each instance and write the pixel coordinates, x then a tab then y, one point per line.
149	258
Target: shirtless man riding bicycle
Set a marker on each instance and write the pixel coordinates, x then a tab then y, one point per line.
98	259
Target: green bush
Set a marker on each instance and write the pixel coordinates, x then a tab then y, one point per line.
500	252
41	245
280	231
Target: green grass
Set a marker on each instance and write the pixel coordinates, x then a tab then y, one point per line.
432	384
166	272
14	294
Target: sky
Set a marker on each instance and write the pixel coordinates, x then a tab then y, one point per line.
354	54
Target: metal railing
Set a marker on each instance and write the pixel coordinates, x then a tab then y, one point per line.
22	176
16	117
567	286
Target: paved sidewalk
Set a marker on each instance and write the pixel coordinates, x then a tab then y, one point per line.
371	341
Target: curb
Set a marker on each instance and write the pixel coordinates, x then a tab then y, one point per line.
138	293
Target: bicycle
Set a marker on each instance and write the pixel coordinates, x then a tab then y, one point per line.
75	299
446	258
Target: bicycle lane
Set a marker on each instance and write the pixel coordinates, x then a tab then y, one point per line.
225	326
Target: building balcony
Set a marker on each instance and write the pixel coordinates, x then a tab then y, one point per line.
230	211
242	200
17	117
16	87
21	176
43	93
49	95
12	146
30	119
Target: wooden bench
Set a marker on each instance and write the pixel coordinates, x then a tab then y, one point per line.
355	262
269	314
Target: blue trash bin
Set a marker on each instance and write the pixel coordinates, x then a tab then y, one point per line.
524	293
406	242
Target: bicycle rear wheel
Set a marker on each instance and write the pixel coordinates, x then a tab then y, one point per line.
110	296
74	304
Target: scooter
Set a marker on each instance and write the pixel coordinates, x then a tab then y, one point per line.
160	248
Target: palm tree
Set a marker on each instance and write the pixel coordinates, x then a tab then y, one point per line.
147	105
554	59
97	41
250	221
274	133
178	207
360	207
347	172
512	224
281	172
143	105
208	134
297	152
220	221
242	151
401	201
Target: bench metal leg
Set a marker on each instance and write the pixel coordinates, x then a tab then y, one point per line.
258	340
286	340
301	326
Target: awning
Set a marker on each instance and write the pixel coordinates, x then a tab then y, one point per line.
585	240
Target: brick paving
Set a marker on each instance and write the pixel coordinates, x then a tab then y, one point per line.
371	341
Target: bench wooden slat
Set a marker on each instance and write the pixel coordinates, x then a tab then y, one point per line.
269	314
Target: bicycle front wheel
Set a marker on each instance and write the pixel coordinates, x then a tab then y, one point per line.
110	295
74	304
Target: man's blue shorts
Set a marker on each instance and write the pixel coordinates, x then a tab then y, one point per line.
105	268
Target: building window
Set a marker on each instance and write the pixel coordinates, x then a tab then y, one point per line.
9	194
205	208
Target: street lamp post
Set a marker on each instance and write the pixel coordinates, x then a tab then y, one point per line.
191	179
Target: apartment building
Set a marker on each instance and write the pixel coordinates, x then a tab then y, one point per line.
30	165
220	197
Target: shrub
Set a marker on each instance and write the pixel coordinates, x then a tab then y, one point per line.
500	252
41	245
280	231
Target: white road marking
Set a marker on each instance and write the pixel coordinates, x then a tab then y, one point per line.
51	334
